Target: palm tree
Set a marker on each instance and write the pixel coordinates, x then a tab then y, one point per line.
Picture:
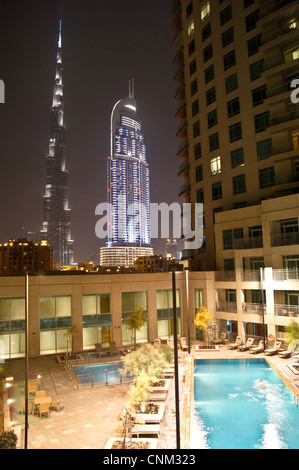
69	335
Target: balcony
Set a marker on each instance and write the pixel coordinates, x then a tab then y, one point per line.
183	149
286	310
283	64
272	9
182	129
285	274
250	276
284	117
247	243
181	110
184	168
249	307
179	74
283	239
223	306
184	189
180	92
285	37
225	276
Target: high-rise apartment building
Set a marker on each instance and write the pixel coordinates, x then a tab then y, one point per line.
56	212
18	256
235	63
128	191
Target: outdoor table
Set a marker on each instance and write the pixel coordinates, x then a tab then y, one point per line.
39	400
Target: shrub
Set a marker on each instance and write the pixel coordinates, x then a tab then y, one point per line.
8	440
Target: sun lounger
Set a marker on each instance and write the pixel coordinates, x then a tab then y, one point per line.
257	349
184	344
236	344
247	346
113	349
275	350
221	340
146	429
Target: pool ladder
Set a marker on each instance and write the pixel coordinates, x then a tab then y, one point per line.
296	399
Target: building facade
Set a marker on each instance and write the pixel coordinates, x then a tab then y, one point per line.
56	228
18	256
99	304
128	190
238	128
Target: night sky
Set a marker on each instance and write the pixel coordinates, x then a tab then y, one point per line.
105	44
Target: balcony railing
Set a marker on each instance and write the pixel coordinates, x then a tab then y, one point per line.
269	7
247	243
285	274
249	307
185	188
223	306
285	117
225	276
286	310
285	239
250	276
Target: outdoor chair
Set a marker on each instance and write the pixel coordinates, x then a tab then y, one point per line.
275	350
99	350
43	408
57	403
30	406
40	393
184	344
286	353
247	346
257	349
236	344
113	349
170	343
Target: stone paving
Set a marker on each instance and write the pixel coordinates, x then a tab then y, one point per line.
90	416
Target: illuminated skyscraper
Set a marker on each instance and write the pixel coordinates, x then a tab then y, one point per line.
56	212
127	188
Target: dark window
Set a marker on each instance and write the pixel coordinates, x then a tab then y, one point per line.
259	94
227	37
251	20
239	184
191	47
189	9
206	32
195	107
229	264
192	67
198	173
261	121
200	196
229	60
196	129
216	190
214	141
237	157
267	177
209	74
233	107
239	204
207	52
254	44
264	149
225	15
197	150
212	118
235	132
231	83
194	87
211	96
256	69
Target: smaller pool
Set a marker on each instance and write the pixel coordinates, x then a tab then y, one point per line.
104	374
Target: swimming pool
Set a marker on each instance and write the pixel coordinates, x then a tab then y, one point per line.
232	410
101	374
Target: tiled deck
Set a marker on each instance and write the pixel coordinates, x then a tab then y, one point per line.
90	416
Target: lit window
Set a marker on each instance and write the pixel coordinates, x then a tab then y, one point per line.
215	165
205	11
295	140
191	28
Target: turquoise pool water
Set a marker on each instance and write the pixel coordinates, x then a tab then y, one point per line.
100	373
232	410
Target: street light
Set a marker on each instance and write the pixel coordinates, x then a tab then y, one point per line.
173	268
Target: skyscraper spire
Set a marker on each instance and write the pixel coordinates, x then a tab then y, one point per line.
56	212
